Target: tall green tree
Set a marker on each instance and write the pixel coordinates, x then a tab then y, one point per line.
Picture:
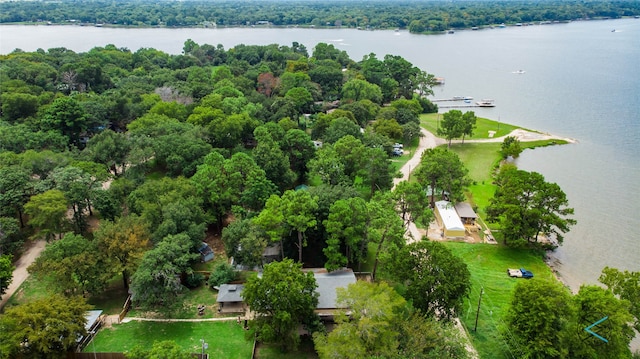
273	160
47	212
65	115
283	299
78	187
11	237
124	241
167	349
436	281
15	189
157	279
346	228
245	242
403	72
356	90
451	126
468	124
377	170
111	149
328	166
424	337
341	127
385	229
527	206
6	272
442	170
43	328
412	204
350	150
75	263
626	285
371	328
539	319
298	209
170	206
300	149
592	304
510	147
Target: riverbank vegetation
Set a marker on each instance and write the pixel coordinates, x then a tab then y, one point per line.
416	16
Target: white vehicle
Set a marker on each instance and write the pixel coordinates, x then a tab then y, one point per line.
519	273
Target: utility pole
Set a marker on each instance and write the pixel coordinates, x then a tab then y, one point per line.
204	346
478	311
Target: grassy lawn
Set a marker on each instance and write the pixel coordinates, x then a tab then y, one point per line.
32	289
305	351
488	265
112	299
225	339
187	306
481	159
430	122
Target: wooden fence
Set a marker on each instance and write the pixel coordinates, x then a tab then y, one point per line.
125	309
96	356
116	356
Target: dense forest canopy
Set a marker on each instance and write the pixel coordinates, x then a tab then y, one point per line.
238	123
417	16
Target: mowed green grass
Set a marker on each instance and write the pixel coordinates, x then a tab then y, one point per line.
305	351
431	122
226	340
488	266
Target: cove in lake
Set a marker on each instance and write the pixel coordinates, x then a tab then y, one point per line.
581	81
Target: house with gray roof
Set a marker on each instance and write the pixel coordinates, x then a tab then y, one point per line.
328	283
230	298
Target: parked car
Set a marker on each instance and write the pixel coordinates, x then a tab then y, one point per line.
519	273
397	152
397	145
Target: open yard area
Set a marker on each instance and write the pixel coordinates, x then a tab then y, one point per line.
431	122
226	339
488	266
305	351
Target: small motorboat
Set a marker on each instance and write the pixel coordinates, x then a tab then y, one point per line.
486	103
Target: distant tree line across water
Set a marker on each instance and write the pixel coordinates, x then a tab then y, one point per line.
417	16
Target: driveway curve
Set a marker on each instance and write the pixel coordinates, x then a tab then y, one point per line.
20	274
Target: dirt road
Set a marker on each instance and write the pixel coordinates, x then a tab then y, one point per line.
20	274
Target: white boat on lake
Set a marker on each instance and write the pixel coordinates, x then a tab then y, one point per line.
486	103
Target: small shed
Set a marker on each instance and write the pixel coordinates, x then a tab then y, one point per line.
271	253
448	217
230	298
466	213
206	253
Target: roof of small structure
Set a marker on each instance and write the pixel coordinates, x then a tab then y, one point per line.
328	282
429	191
92	317
230	293
204	249
449	216
465	211
272	250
